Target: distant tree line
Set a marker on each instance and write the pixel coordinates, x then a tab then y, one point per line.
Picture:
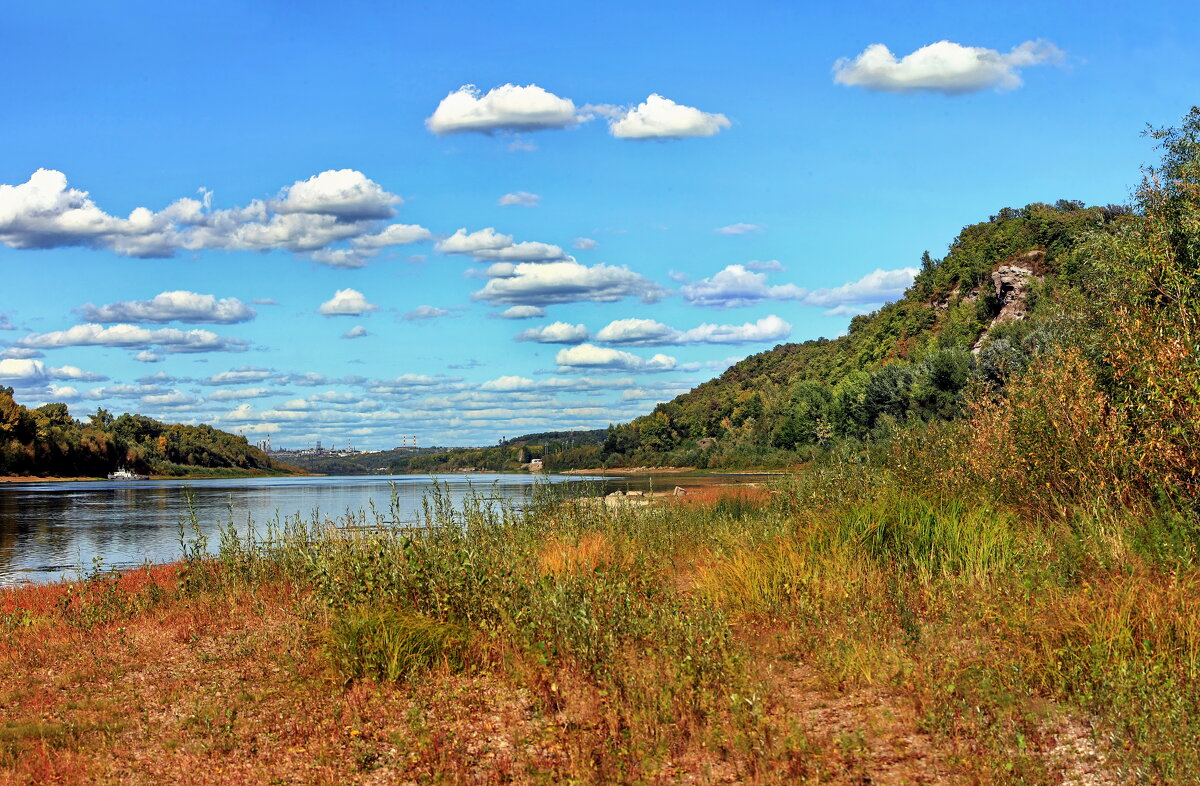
47	441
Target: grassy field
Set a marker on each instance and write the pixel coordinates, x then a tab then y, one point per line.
833	627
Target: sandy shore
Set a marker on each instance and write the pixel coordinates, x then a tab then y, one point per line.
621	471
36	479
637	471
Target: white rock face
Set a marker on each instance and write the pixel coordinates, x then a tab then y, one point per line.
1011	283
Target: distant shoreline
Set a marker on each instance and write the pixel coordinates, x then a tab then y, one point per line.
627	471
79	479
637	471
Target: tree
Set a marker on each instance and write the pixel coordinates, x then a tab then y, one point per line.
848	414
657	434
888	392
101	419
1145	303
808	410
15	422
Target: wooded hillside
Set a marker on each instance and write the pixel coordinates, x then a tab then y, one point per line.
47	441
913	359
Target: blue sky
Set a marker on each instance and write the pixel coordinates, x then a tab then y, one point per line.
686	183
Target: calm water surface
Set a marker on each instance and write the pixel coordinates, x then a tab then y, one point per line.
50	531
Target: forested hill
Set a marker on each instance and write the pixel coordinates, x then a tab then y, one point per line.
912	359
558	450
569	438
48	442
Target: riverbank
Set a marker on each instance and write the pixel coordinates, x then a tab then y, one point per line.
630	471
817	630
190	476
36	479
686	474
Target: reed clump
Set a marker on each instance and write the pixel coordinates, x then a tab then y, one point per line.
394	645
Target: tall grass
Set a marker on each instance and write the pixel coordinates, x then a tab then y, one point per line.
392	645
932	540
574	600
635	621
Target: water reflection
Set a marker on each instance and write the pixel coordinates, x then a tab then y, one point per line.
52	530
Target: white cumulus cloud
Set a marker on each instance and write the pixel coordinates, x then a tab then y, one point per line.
734	287
176	306
170	400
555	333
769	328
346	303
520	199
358	331
567	282
308	217
875	287
575	384
943	67
492	246
521	312
239	376
341	258
661	118
75	373
426	312
407	385
738	229
22	369
228	394
30	370
590	357
64	393
133	337
637	333
737	286
850	311
463	242
44	212
21	353
392	235
648	332
505	108
345	193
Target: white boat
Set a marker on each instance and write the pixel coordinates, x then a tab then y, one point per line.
124	474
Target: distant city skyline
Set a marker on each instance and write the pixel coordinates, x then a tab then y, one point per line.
460	222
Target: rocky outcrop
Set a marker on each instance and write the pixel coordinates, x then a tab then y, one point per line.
1011	284
1012	287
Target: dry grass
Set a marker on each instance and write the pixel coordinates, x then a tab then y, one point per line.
560	555
729	639
237	689
711	496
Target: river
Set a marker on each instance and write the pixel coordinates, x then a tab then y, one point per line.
54	530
